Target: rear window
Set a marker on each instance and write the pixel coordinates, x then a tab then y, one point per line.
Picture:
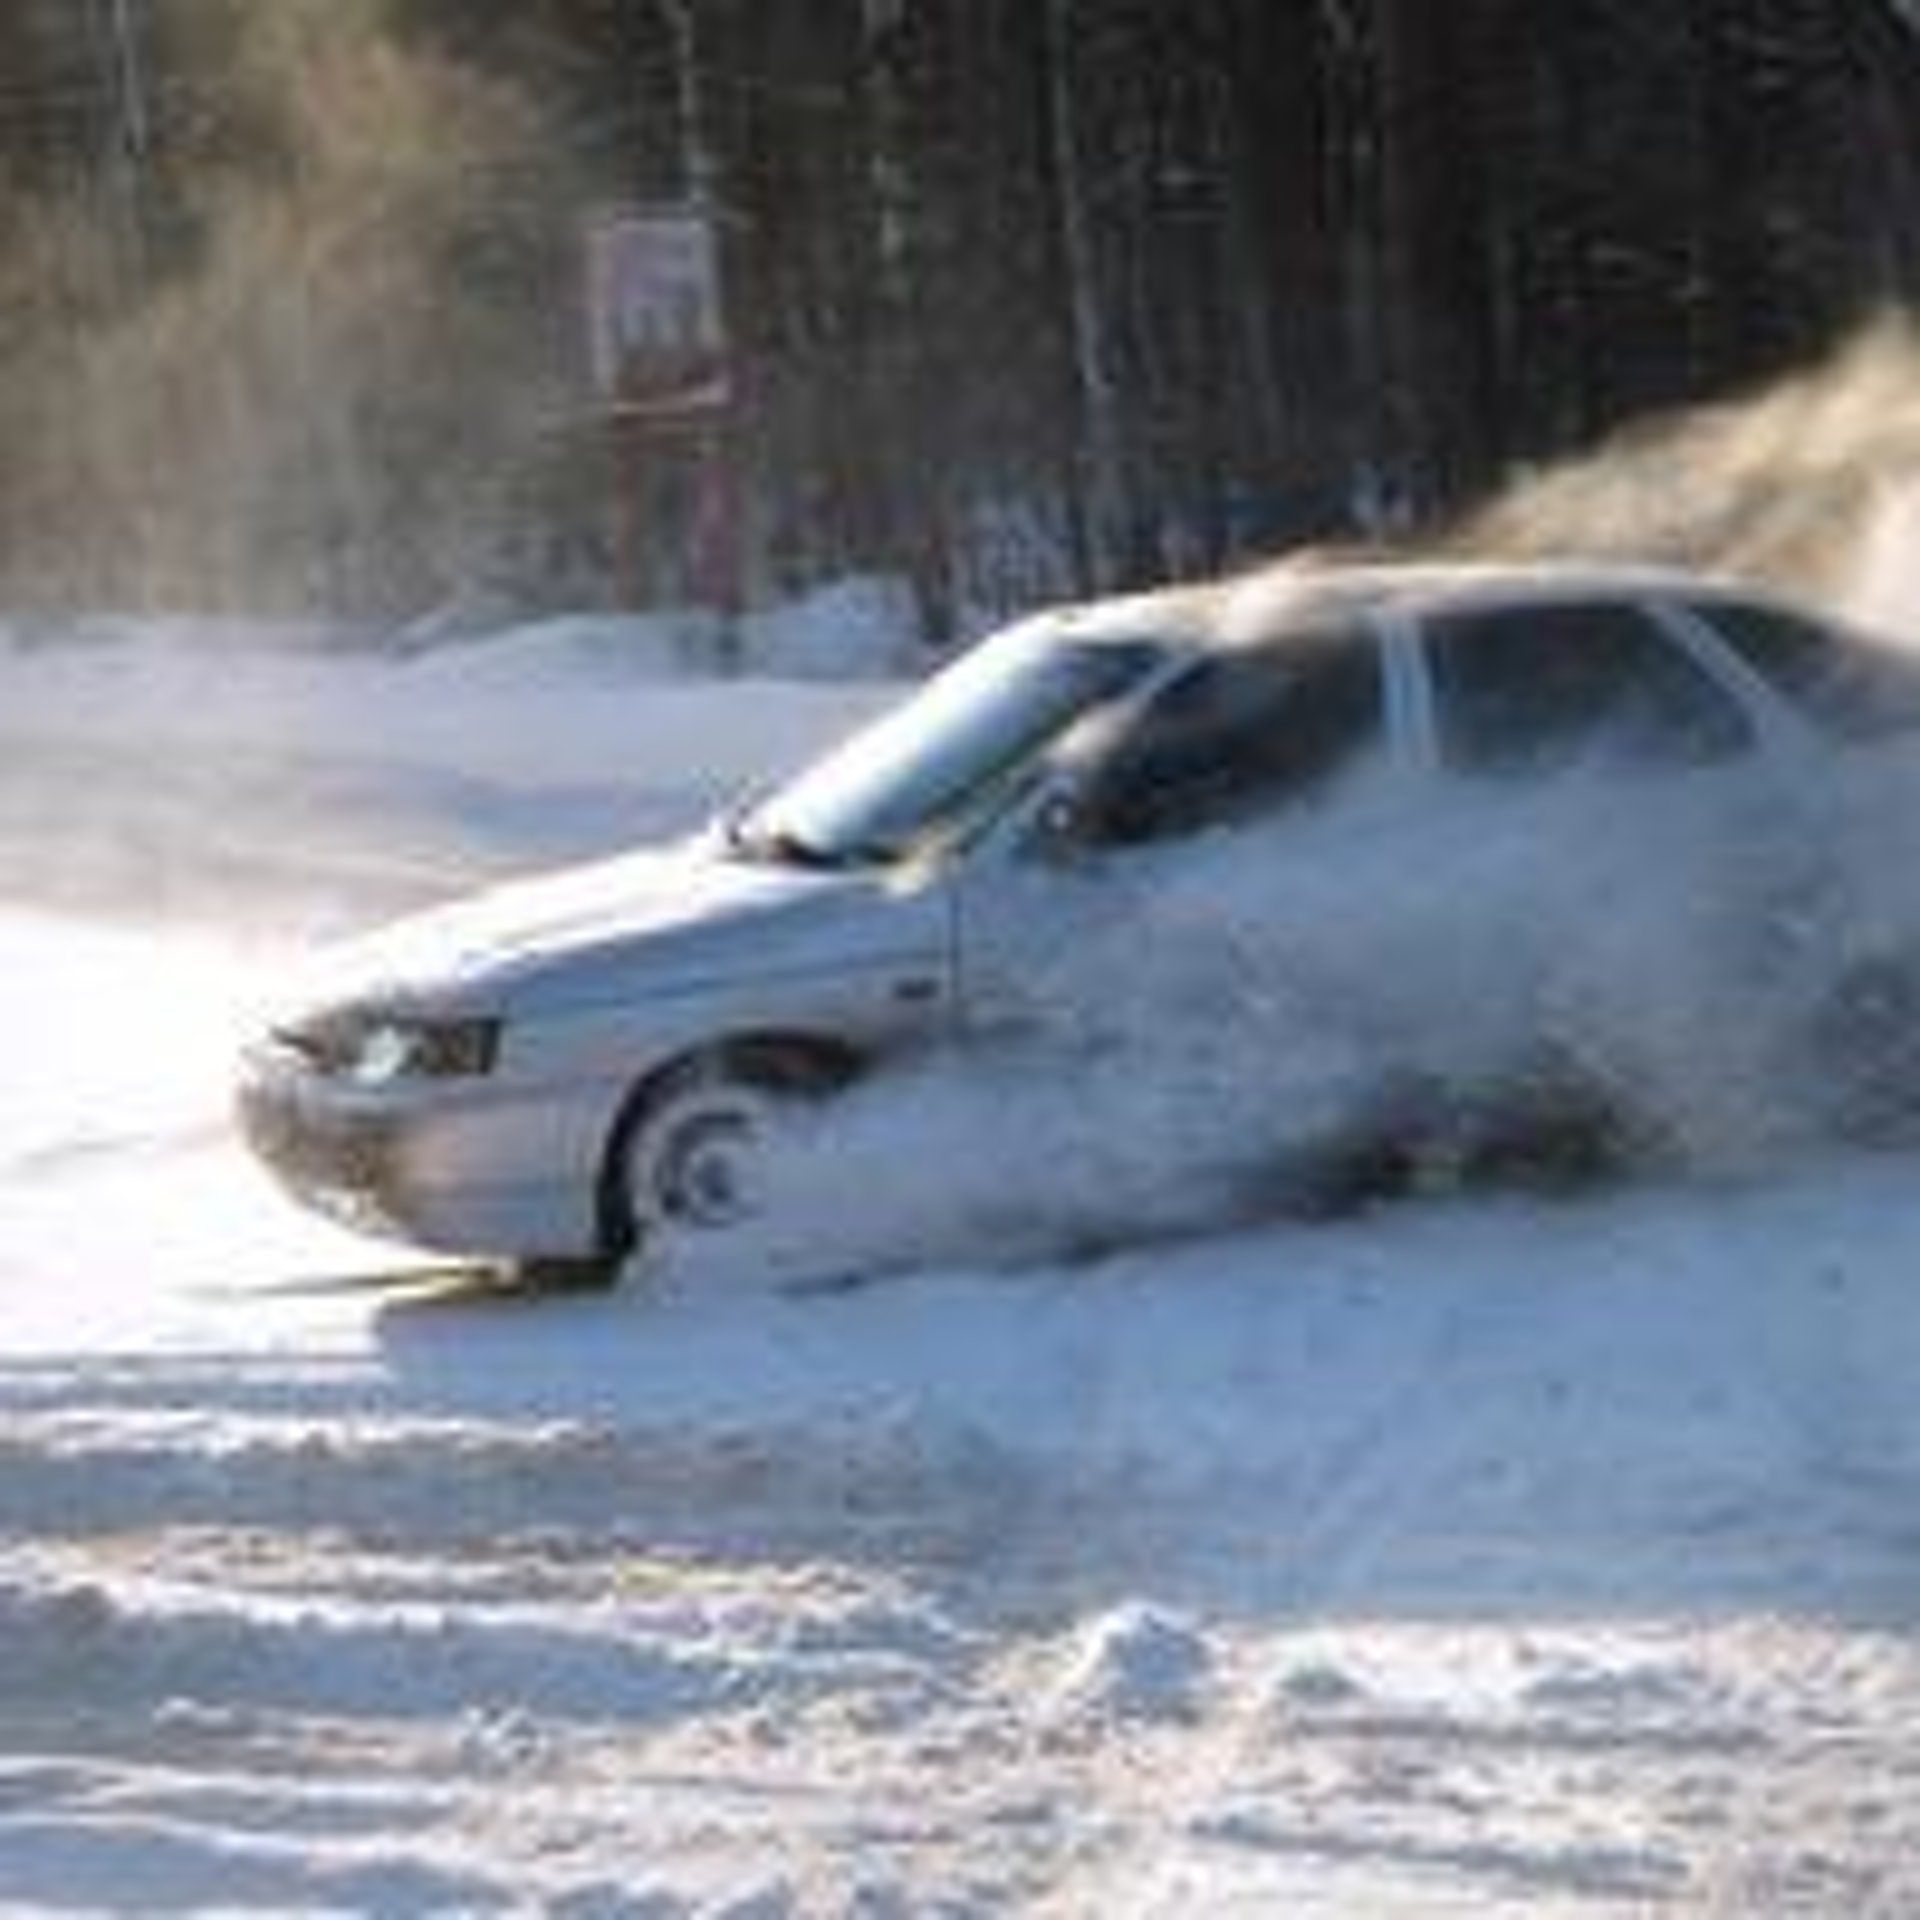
1843	682
1526	689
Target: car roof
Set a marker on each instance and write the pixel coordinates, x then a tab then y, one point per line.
1292	599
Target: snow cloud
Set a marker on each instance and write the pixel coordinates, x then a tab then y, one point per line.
306	349
1812	485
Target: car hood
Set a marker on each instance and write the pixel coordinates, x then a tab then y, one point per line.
657	920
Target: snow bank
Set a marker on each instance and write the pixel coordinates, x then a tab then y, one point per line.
548	701
865	628
149	773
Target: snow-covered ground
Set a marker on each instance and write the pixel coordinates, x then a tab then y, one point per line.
1492	1555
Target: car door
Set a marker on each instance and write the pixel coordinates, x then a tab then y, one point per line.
1644	785
1241	735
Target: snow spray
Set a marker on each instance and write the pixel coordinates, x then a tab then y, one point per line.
1671	950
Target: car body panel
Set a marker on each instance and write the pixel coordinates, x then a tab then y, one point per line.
602	976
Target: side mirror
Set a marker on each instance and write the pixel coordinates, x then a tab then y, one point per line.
1056	830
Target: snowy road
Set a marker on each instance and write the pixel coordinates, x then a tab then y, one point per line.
1485	1556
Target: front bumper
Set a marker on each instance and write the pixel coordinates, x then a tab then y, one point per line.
502	1165
344	1157
471	1166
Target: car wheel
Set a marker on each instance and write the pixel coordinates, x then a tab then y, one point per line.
1544	1127
1552	1124
690	1155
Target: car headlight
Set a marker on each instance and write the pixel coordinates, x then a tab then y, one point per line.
376	1049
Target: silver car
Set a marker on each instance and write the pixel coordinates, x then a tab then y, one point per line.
556	1072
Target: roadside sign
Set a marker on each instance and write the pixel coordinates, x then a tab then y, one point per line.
657	336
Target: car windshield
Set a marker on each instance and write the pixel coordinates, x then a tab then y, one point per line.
942	760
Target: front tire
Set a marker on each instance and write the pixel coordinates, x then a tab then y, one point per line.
696	1162
689	1156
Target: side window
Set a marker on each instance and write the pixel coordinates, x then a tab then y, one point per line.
1841	681
1527	689
1239	734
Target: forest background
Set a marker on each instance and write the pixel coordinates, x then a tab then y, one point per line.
1020	298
